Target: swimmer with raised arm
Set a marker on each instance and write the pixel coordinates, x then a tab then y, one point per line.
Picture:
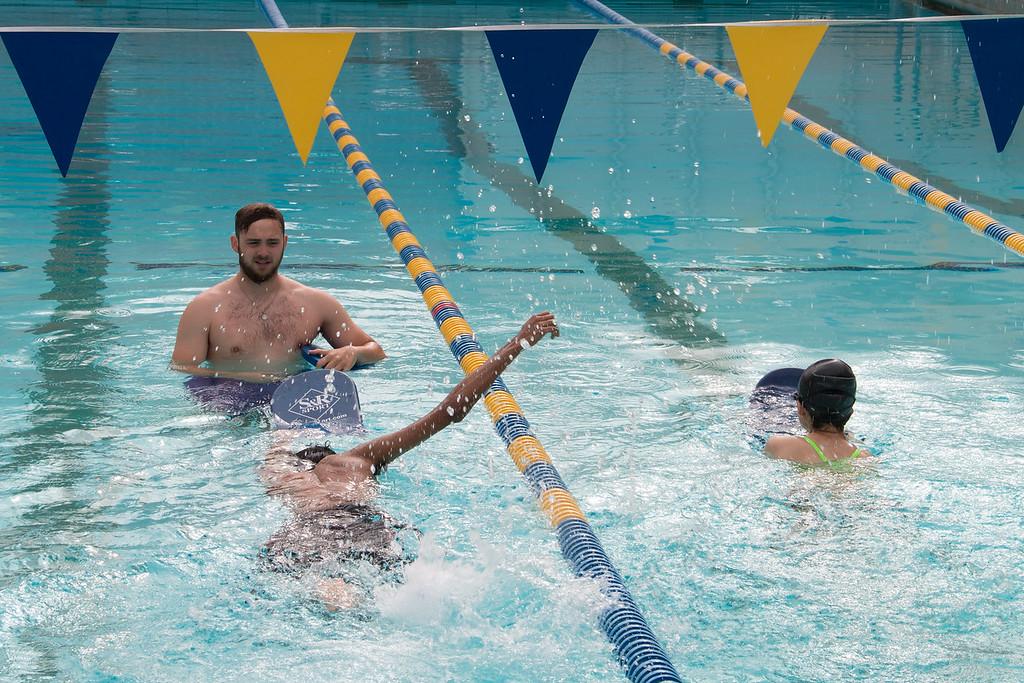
331	499
824	403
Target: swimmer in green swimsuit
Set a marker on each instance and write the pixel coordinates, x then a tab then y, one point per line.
824	404
332	493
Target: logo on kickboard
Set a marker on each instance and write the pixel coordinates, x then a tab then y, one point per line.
314	405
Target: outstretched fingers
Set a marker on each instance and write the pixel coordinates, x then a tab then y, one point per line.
539	325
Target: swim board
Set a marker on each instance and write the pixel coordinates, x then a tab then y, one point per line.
324	399
772	409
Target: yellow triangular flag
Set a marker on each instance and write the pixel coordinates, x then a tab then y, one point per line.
302	67
772	59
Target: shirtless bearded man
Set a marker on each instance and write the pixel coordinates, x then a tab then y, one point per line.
252	325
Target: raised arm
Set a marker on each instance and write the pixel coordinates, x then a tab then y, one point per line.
459	401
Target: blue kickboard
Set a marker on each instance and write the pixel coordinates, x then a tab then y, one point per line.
772	406
326	399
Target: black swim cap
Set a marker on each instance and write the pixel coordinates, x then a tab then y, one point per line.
314	454
828	389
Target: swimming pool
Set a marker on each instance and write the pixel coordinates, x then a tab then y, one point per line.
131	520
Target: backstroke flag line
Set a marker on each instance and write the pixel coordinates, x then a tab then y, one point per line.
772	59
302	68
538	69
59	71
997	52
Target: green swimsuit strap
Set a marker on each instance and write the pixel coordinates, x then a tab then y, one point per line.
817	449
821	454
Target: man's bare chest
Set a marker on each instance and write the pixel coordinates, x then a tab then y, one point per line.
242	324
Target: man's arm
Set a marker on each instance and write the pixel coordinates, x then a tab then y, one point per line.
385	449
193	341
352	346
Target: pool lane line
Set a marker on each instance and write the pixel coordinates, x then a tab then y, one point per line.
945	266
639	651
950	266
904	182
444	268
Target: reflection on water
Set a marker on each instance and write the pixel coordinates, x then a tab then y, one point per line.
74	387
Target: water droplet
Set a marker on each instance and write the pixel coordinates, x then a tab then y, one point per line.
627	214
459	255
593	247
492	208
595	213
611	171
466	117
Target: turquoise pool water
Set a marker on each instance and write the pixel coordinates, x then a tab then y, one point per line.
130	521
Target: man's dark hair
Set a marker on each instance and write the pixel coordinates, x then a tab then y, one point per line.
250	213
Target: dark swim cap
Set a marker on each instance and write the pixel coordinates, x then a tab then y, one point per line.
828	389
314	454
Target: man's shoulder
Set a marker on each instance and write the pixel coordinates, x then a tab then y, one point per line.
307	293
209	295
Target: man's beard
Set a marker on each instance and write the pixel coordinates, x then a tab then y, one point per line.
255	277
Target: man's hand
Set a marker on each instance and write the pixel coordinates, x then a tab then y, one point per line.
536	327
343	359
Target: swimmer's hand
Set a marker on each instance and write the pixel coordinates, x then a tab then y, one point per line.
536	327
342	359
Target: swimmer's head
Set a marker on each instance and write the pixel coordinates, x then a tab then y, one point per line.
827	391
314	454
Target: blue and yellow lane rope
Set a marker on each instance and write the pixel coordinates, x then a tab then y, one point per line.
639	651
906	183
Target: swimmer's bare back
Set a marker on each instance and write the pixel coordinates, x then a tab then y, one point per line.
349	476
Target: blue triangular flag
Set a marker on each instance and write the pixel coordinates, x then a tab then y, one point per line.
538	68
59	71
995	46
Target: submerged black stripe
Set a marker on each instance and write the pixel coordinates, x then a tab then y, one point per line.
954	266
453	267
